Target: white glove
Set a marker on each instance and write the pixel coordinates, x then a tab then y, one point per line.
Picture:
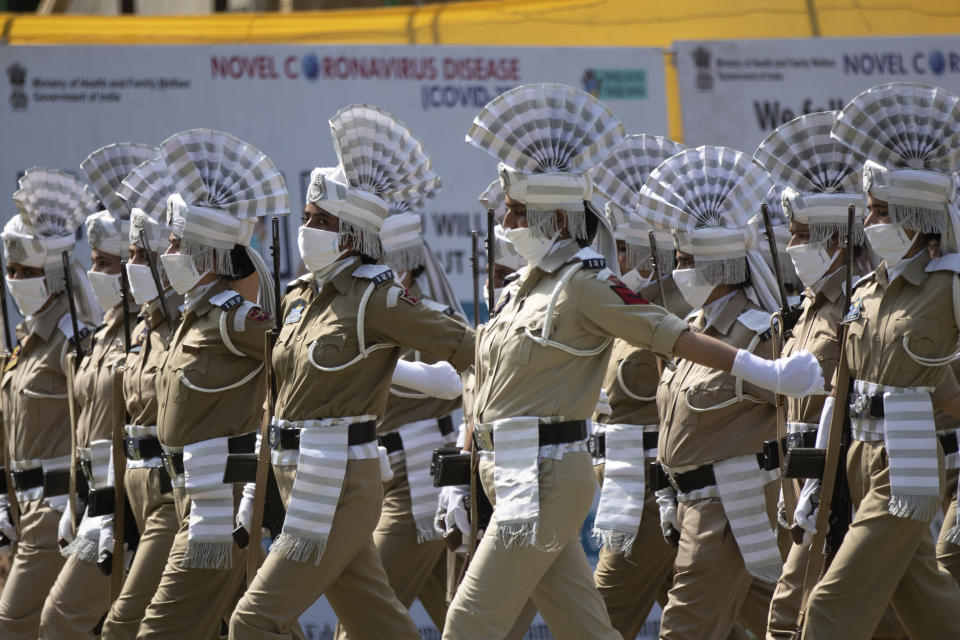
669	522
798	375
452	512
105	547
65	528
245	510
782	511
438	380
807	506
6	521
603	404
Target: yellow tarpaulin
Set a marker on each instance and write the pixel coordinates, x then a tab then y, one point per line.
511	22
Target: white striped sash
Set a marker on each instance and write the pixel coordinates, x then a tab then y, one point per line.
624	489
419	440
740	484
517	480
209	536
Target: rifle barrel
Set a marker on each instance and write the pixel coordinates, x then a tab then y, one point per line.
491	261
155	273
775	258
848	294
275	254
68	282
475	268
125	301
8	347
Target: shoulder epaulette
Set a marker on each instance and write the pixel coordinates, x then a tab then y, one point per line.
758	321
511	277
377	273
66	328
948	262
298	282
590	259
227	300
436	306
862	279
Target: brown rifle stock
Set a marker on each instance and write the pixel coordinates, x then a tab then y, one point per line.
119	500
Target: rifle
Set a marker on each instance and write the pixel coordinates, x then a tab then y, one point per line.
4	359
781	323
491	261
475	268
156	279
658	275
818	559
119	460
73	363
7	342
263	454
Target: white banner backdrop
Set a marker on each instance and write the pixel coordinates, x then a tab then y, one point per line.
63	102
734	93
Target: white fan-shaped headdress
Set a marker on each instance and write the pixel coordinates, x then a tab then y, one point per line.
146	190
710	196
401	235
493	198
910	135
619	178
382	165
821	177
105	168
223	185
51	205
782	235
547	138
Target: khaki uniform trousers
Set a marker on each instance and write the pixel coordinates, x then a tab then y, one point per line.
712	590
77	602
156	516
948	553
34	570
190	603
555	575
882	559
415	570
349	573
630	583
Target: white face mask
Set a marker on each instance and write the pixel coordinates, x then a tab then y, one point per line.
811	261
890	241
695	294
318	248
30	294
142	287
181	271
635	281
532	248
106	288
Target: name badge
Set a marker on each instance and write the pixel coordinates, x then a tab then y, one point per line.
856	309
295	312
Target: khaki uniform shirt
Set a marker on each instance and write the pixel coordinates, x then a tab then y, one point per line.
198	353
34	387
93	383
816	332
403	410
150	340
916	306
691	438
519	377
637	368
322	325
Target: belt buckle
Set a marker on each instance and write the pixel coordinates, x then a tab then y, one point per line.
593	445
860	406
132	446
273	437
483	439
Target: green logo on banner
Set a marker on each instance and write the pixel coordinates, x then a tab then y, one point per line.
616	84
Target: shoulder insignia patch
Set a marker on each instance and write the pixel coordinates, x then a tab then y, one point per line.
13	359
856	308
258	315
628	296
594	263
408	297
140	337
296	310
501	303
386	276
377	273
227	300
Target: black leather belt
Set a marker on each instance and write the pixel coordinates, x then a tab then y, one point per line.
550	433
770	458
142	448
3	480
392	441
288	438
699	478
54	483
949	442
597	443
245	444
866	406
